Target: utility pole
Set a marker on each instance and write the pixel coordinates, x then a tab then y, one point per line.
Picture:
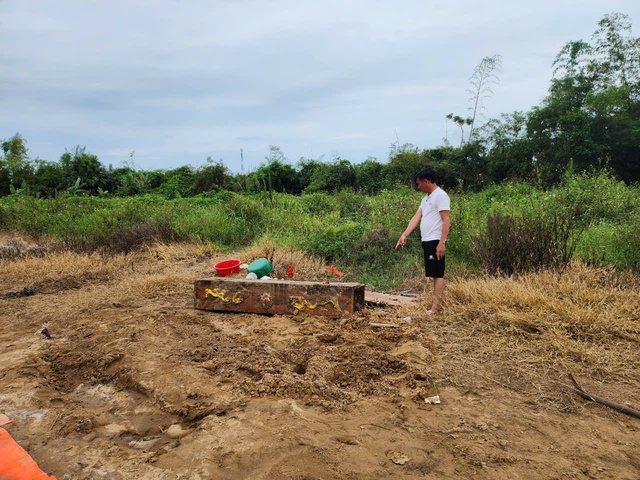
241	162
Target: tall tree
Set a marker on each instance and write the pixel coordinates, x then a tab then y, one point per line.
213	176
15	168
369	177
403	165
275	175
484	76
86	167
590	117
332	177
460	122
617	51
48	179
509	153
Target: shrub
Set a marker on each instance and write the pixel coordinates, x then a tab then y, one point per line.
140	234
353	206
317	203
596	197
529	242
335	242
607	243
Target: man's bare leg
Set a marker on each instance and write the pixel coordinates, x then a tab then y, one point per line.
438	291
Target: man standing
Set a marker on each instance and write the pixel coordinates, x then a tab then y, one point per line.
434	220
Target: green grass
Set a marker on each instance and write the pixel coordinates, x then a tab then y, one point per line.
347	229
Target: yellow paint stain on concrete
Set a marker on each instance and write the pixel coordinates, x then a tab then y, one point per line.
222	295
299	304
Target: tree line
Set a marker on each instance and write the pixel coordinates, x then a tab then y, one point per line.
589	120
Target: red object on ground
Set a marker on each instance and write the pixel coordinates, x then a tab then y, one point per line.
16	463
227	267
333	270
290	272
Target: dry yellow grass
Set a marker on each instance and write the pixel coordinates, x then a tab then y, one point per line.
59	270
525	333
529	332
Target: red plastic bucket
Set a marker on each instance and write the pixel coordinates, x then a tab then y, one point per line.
227	267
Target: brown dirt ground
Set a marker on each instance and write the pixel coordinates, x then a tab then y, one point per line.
137	384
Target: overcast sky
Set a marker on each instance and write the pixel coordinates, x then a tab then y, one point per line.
170	83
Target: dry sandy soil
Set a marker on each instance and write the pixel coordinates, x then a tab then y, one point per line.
137	384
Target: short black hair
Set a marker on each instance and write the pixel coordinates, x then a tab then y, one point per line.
427	174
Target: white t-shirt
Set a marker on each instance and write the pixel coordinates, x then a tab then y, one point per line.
431	223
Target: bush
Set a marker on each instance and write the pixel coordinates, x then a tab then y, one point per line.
534	241
353	206
335	242
317	203
140	234
597	197
607	243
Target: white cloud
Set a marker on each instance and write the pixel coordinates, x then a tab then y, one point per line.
178	82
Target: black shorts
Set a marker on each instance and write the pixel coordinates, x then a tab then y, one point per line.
433	267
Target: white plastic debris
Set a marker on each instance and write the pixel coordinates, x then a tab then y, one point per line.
435	400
